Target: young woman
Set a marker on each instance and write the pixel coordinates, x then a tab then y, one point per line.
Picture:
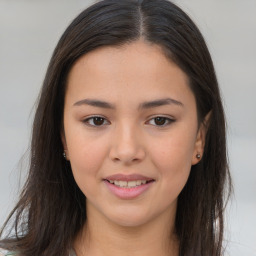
128	153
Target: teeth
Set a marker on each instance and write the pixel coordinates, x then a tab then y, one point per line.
128	184
132	183
138	182
123	183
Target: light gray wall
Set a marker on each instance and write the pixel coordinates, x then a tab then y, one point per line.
29	31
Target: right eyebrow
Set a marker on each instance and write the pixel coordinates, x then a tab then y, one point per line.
94	103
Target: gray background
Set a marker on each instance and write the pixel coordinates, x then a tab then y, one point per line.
29	31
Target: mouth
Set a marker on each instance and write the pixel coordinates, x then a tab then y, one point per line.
128	184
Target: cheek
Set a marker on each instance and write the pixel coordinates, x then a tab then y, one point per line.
174	150
172	158
86	155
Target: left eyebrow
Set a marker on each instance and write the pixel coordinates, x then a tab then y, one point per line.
158	103
144	105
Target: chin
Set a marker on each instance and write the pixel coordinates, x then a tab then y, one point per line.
129	222
129	218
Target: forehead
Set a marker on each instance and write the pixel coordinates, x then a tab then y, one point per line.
135	67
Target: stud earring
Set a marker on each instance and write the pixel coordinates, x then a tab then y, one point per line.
198	156
64	154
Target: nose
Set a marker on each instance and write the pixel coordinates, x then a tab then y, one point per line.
127	145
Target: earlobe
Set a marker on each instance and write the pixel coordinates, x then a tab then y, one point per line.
64	143
200	140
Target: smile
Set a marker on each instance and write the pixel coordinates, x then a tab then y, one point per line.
128	184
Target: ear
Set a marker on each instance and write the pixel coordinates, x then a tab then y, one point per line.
64	143
200	140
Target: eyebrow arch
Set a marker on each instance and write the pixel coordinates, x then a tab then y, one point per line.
144	105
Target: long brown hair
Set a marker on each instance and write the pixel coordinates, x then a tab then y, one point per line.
51	209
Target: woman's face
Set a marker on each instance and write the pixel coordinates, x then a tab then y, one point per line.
129	112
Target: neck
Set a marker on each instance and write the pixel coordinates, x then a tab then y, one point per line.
101	237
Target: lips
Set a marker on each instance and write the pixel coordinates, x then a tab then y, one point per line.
124	187
128	177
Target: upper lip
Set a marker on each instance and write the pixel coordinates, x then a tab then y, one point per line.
128	177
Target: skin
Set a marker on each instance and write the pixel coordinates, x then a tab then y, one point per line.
130	141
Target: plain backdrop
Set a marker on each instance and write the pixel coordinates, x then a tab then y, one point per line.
29	31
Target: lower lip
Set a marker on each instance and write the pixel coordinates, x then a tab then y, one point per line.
128	193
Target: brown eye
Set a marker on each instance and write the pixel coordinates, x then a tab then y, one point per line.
95	121
162	121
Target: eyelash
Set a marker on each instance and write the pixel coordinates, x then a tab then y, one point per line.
169	121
